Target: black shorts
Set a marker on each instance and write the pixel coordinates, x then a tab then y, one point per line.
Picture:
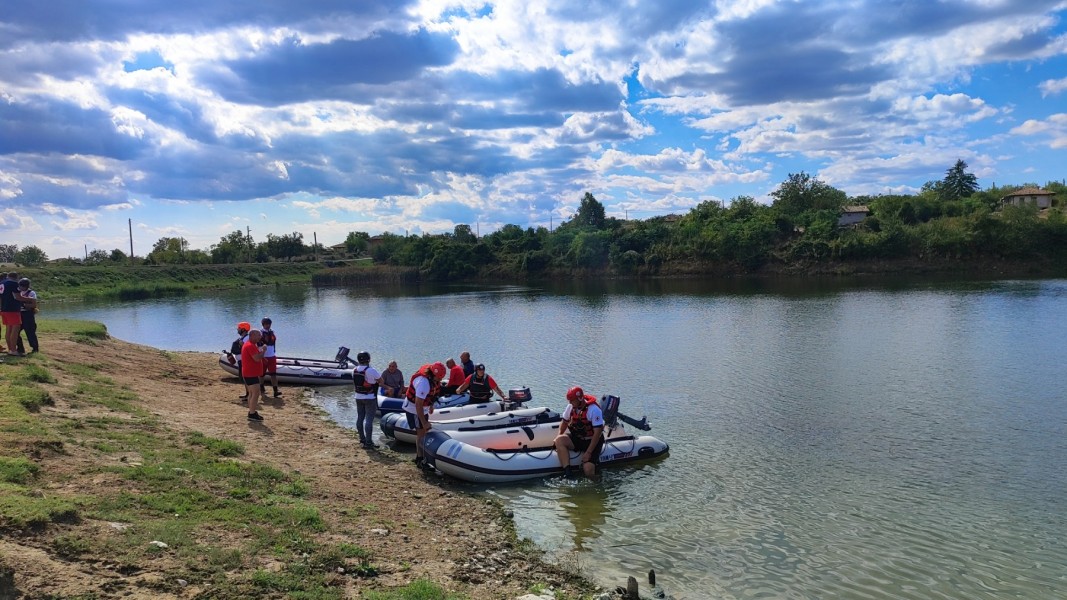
251	380
582	444
413	421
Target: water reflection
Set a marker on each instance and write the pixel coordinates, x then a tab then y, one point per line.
586	505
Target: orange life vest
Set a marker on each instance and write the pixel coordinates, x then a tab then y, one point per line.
580	426
435	387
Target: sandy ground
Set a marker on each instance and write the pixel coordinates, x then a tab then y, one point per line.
464	543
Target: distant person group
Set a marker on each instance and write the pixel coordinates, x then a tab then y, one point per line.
581	428
18	310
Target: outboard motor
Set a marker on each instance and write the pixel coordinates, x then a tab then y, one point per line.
342	355
610	406
519	395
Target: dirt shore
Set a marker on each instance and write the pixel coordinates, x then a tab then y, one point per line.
412	525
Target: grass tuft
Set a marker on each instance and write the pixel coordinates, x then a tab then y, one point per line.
17	470
216	446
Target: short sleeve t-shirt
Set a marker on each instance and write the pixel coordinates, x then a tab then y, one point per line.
370	375
422	389
596	416
250	364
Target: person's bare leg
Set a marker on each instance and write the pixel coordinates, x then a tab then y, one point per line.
253	398
564	445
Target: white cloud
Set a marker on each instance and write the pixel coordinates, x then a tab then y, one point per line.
1051	87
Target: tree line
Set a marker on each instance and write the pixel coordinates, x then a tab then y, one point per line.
950	218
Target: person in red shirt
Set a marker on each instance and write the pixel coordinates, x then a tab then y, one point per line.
252	370
455	378
481	386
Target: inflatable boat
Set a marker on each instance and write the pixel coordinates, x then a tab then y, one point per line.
387	405
488	427
454	407
465	461
303	371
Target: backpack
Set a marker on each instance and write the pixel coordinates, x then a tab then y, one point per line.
235	347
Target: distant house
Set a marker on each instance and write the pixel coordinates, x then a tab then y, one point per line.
1029	195
852	215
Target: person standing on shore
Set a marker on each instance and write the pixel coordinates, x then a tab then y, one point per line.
365	377
11	312
235	352
29	317
270	356
582	430
252	371
424	389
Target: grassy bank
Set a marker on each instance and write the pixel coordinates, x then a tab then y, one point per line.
106	491
138	282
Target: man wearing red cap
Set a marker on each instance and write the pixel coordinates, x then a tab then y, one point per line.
582	430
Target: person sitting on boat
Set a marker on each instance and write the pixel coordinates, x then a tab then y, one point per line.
455	378
270	358
466	362
481	386
424	389
392	381
365	378
581	430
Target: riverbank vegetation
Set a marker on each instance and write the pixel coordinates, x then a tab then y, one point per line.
949	225
809	227
133	282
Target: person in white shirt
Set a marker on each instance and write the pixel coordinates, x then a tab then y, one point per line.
365	378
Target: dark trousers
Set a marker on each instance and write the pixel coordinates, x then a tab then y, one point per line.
29	325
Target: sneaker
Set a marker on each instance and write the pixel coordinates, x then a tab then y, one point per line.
243	397
418	461
255	416
568	472
277	394
425	466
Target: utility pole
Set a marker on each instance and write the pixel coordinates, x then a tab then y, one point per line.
315	236
130	222
86	251
248	239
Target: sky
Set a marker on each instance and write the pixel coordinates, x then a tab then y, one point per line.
198	118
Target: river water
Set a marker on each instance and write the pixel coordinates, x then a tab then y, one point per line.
828	439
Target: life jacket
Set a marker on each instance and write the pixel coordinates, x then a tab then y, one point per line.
580	425
480	390
235	347
435	387
269	338
359	378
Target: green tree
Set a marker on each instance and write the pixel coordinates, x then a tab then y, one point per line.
958	183
7	252
357	241
167	251
801	193
97	257
234	247
117	256
31	256
463	234
285	246
590	213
